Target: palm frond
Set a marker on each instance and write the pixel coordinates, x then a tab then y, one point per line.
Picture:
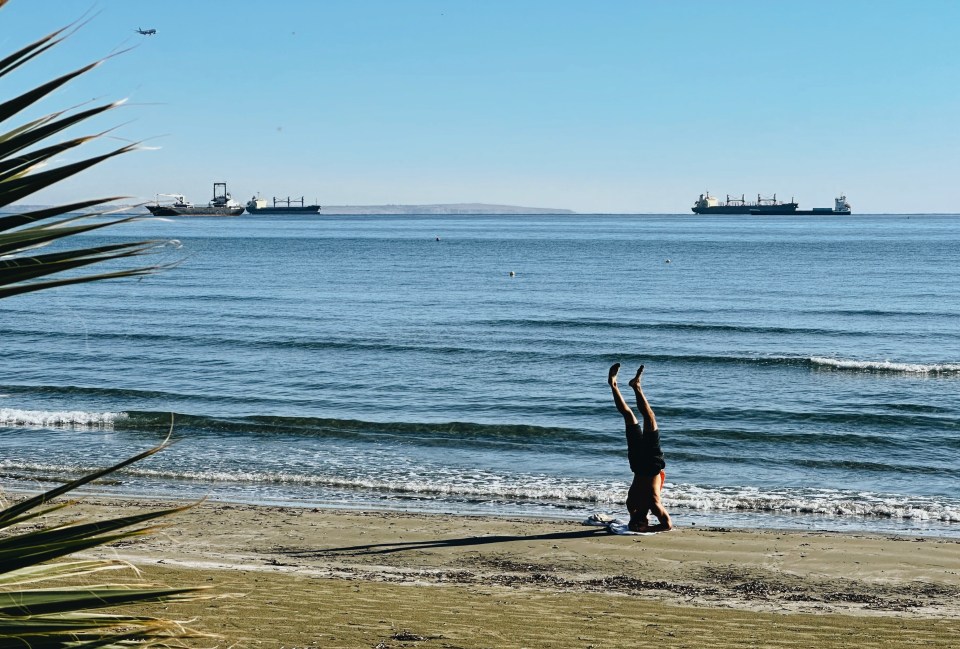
39	286
13	106
17	167
52	543
14	511
24	54
58	617
21	269
29	126
22	153
17	188
86	633
24	218
64	600
38	130
58	571
29	238
66	617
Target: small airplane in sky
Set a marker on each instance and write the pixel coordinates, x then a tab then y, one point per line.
146	32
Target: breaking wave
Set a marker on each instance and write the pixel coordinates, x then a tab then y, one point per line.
815	502
886	367
534	489
59	419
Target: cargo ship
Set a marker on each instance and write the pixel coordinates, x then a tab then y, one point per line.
220	205
257	205
708	204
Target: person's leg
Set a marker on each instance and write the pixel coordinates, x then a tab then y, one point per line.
649	421
618	399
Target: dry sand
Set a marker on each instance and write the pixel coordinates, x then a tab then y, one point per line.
329	578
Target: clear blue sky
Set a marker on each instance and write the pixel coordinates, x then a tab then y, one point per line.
608	106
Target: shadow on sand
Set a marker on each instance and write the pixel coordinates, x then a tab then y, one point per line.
386	548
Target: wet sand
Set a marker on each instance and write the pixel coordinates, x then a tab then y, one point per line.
330	578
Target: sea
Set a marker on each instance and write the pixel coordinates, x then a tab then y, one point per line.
804	370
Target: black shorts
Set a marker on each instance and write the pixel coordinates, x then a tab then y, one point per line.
643	451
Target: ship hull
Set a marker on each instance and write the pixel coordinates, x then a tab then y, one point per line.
309	209
826	211
787	208
167	210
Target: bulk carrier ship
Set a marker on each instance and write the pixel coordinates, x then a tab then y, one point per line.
708	204
257	205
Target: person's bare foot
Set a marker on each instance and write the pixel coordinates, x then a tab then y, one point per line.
612	375
635	381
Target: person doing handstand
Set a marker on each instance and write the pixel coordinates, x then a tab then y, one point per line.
646	458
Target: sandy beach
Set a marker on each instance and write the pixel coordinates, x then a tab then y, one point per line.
290	577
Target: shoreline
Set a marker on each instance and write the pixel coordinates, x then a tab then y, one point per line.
686	517
347	578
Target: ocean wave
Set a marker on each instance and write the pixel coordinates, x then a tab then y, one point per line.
247	342
879	468
86	391
572	325
880	313
821	363
771	424
885	367
566	354
710	437
774	427
600	325
474	348
550	490
733	426
477	484
59	419
457	432
817	502
426	433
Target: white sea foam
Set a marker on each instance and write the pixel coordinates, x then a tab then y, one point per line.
462	485
886	366
449	484
822	502
60	418
35	468
574	492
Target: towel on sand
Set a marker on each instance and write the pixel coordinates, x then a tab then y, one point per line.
614	525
